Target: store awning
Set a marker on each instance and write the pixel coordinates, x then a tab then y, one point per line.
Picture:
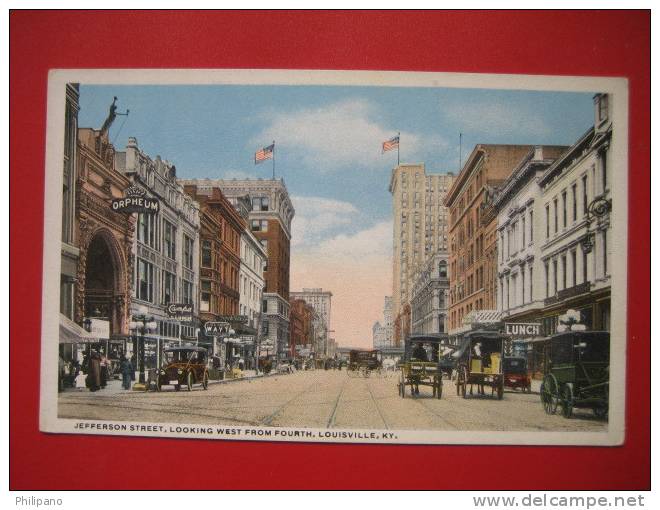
71	333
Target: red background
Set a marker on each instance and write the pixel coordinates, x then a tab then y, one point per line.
562	43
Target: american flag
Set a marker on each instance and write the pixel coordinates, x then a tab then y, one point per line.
264	154
392	143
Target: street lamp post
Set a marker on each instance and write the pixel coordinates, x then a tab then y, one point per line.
141	324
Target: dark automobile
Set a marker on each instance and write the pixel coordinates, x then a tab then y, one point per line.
515	374
183	366
578	373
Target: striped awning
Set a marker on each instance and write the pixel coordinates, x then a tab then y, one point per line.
71	333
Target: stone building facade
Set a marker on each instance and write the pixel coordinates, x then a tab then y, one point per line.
105	241
575	239
251	278
519	280
430	295
382	333
420	230
554	237
69	264
165	251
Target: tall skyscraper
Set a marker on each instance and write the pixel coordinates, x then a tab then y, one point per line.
420	229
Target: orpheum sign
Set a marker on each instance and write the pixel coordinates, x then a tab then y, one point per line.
180	311
135	201
522	328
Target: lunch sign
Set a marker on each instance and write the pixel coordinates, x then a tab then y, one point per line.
522	328
135	201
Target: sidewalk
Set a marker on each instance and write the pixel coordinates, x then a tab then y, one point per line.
113	387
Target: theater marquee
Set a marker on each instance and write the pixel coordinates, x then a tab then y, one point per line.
135	201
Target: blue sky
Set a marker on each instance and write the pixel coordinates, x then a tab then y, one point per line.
327	147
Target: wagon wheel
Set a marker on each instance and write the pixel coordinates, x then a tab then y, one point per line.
601	411
567	401
366	372
549	394
500	389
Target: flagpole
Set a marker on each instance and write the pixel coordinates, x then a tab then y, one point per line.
273	159
398	150
460	151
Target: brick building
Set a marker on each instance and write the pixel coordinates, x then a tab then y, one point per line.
301	320
270	221
472	237
220	255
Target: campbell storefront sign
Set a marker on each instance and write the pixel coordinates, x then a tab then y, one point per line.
135	201
522	328
180	311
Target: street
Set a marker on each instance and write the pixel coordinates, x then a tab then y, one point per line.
324	399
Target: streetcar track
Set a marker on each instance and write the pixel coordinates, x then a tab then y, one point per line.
373	399
163	411
333	415
269	419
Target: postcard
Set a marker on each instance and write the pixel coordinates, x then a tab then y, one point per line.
335	256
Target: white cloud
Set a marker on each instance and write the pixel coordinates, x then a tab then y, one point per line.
342	134
357	269
316	217
496	118
235	174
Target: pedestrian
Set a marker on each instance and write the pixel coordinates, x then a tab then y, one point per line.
94	372
126	368
80	381
104	370
61	374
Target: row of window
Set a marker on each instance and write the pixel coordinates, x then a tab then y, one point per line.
148	233
517	235
571	202
145	283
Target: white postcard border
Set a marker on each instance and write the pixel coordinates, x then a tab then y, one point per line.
618	87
